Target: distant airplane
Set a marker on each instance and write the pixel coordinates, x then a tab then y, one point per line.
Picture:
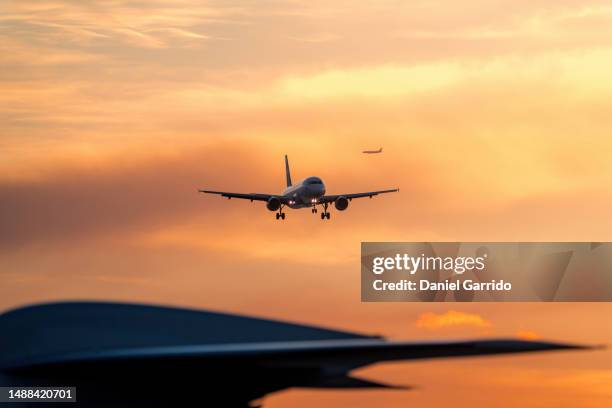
132	355
373	151
309	192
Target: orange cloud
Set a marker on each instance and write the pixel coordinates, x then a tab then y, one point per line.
528	335
451	318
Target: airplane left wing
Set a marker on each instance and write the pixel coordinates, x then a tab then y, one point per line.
245	196
332	198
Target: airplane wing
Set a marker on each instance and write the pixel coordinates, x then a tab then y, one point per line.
245	196
332	198
139	355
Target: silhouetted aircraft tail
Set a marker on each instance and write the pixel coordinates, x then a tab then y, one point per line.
139	355
287	172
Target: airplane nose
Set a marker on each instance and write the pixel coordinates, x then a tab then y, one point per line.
316	190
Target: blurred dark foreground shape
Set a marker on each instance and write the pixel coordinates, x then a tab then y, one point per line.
138	355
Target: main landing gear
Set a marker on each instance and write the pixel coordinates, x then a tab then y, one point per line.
280	215
325	214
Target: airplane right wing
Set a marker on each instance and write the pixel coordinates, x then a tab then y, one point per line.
332	198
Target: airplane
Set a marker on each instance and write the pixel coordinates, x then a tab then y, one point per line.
373	151
308	193
138	355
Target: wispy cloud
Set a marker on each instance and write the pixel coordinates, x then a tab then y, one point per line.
450	319
139	24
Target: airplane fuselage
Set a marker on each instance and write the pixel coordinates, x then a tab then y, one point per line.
306	193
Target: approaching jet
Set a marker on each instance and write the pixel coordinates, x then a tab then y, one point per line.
308	193
130	355
372	151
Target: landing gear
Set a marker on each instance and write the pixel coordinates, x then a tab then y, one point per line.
325	214
280	214
314	210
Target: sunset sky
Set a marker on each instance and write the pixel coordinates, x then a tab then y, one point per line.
496	124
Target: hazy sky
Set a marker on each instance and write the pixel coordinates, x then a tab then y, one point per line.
495	119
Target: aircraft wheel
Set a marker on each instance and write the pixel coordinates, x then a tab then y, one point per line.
277	216
328	215
283	216
322	216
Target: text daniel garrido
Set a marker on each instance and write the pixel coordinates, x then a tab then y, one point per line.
412	264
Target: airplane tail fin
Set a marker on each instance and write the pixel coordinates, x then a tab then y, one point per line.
287	172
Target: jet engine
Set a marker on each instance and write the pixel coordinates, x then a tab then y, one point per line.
273	204
341	203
